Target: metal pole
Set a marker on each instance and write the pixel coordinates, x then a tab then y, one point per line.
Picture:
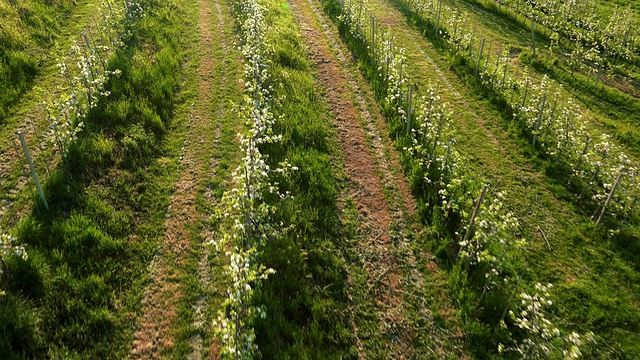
409	110
479	58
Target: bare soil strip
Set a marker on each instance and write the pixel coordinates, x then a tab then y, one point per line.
389	259
159	311
204	269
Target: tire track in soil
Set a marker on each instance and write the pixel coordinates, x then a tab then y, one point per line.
204	269
159	310
388	256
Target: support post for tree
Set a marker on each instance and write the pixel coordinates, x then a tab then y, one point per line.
33	169
409	109
604	56
438	19
606	203
437	138
624	44
533	36
539	121
475	213
486	63
373	32
504	74
475	73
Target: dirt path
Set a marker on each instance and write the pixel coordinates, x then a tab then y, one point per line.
378	189
159	310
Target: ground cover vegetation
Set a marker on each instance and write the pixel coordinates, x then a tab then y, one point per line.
107	197
285	279
28	29
361	32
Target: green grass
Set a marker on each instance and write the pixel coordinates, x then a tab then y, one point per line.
306	300
308	303
615	109
108	199
28	29
222	156
573	260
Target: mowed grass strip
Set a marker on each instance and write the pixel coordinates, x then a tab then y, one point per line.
75	296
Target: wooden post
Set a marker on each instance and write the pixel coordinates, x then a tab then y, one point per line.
479	58
373	26
535	136
475	213
438	18
526	91
606	203
624	44
533	36
504	74
552	116
604	56
486	63
409	110
386	79
437	138
33	169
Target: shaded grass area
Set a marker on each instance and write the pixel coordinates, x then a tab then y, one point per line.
27	29
574	261
76	295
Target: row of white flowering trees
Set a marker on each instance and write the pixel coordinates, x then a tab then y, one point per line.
83	71
579	26
83	74
247	215
598	169
488	234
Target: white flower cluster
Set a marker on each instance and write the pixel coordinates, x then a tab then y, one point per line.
494	241
356	16
8	248
543	340
83	73
248	216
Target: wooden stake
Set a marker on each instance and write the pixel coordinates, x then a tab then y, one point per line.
535	136
475	212
438	19
475	73
606	203
533	36
33	169
409	110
